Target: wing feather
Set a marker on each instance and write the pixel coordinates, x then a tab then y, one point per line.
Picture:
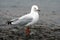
23	21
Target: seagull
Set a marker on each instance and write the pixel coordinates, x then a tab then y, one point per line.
28	19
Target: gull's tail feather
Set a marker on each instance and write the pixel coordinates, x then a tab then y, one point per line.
9	22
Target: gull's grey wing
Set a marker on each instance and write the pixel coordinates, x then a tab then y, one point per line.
24	21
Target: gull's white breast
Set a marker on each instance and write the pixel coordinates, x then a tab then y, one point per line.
35	16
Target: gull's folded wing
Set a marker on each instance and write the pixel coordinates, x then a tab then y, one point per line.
23	21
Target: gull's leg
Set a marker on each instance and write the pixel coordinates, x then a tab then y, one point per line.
27	32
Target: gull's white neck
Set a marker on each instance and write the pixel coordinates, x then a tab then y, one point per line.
34	14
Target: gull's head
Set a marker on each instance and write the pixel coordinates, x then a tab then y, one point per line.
35	8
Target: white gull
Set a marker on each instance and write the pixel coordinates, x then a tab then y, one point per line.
28	19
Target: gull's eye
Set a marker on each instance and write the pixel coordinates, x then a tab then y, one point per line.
34	8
